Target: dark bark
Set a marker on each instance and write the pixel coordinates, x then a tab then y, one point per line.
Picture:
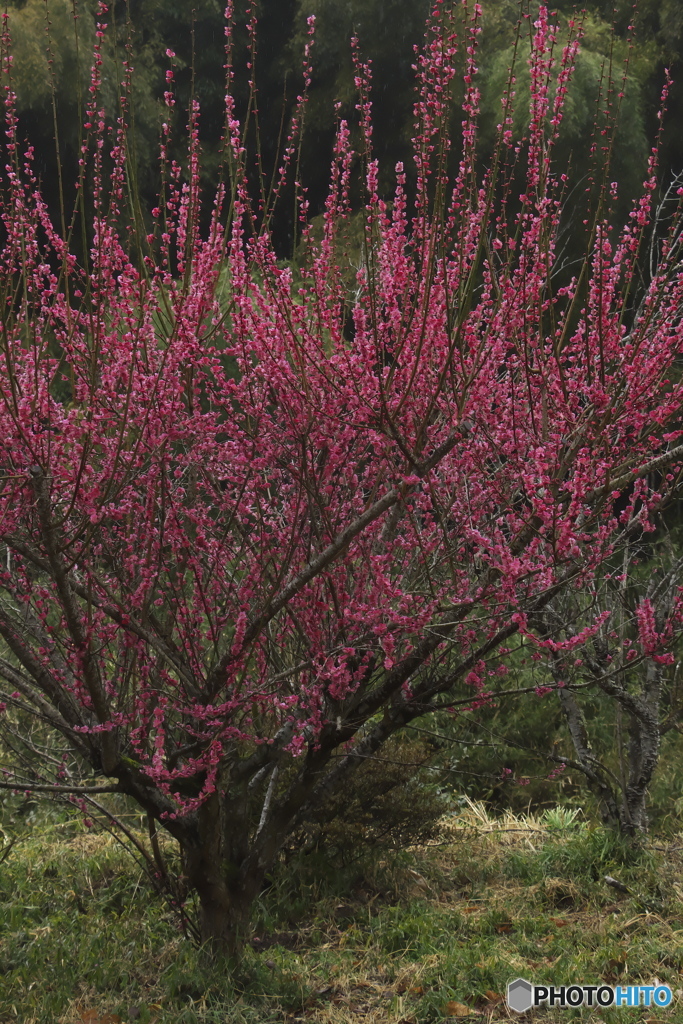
224	908
224	876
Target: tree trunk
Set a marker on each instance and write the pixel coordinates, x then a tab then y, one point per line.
643	755
224	906
596	776
225	879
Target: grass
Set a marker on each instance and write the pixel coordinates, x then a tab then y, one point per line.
427	935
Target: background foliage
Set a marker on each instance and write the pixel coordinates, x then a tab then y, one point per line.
650	38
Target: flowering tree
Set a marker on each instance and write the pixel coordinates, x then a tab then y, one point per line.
247	537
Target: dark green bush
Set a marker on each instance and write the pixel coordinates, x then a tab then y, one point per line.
388	804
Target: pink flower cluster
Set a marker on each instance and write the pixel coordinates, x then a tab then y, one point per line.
233	513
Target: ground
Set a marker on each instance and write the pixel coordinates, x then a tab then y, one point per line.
426	935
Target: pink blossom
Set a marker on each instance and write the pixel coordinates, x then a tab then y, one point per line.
273	507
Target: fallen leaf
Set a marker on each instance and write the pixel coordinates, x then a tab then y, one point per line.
470	910
454	1009
417	990
560	922
504	928
493	997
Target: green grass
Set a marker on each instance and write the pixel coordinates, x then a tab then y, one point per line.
413	938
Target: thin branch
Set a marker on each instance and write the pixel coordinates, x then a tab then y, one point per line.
40	788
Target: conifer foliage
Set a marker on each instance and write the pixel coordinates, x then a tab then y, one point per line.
253	527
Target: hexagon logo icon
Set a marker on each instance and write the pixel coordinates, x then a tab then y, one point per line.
520	993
